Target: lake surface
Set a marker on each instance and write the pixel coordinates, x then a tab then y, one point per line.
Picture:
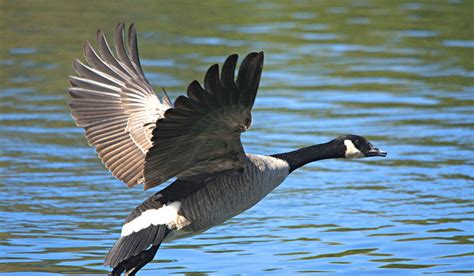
398	72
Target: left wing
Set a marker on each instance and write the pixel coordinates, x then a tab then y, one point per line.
200	136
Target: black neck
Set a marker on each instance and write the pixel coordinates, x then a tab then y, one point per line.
303	156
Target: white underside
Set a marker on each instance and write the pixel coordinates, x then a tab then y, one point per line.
166	215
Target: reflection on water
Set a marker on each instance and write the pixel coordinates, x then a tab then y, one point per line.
399	72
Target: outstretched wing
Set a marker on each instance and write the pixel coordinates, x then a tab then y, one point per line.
200	136
113	101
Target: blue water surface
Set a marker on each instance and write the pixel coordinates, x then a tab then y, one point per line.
398	72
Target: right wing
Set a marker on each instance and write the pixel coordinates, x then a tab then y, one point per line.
200	136
113	101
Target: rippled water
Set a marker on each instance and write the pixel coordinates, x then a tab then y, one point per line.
399	72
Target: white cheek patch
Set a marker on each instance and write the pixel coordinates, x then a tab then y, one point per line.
351	150
168	215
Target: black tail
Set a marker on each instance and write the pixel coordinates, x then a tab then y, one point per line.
134	264
130	253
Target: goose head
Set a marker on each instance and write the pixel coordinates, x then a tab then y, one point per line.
358	147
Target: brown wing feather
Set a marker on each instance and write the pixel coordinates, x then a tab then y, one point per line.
115	104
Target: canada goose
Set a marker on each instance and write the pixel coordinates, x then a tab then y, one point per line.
144	139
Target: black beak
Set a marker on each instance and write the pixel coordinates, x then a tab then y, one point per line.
375	152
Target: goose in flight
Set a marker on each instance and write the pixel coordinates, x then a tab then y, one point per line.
146	139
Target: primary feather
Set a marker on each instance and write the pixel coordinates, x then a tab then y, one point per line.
115	104
200	136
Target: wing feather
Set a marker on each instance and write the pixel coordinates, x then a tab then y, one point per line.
115	104
140	137
200	136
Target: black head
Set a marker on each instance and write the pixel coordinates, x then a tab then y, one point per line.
358	147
